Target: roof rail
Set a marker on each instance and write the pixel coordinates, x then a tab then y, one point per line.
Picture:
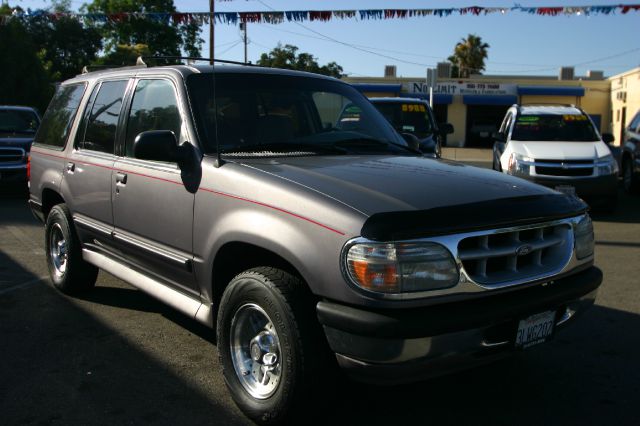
195	58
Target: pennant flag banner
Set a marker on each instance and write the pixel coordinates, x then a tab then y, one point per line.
275	17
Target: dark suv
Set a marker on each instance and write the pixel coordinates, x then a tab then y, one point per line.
238	196
18	125
630	160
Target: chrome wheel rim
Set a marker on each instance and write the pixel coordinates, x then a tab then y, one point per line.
255	351
58	250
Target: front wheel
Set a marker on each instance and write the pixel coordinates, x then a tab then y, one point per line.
269	344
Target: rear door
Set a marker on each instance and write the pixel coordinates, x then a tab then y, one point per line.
87	172
152	209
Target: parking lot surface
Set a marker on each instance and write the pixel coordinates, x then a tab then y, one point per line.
117	356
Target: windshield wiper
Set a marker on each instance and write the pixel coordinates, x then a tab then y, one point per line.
286	148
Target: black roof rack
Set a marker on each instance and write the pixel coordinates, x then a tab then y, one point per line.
141	63
194	58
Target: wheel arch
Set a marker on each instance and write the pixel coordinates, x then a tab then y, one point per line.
234	257
50	198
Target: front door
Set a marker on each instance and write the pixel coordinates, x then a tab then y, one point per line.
152	209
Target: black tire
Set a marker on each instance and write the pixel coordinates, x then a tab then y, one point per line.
69	273
303	350
629	178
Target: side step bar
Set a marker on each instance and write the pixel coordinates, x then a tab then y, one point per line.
201	312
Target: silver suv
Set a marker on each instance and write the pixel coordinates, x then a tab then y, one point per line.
239	196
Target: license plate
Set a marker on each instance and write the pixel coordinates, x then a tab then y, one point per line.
566	189
535	329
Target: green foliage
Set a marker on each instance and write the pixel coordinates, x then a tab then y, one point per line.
468	56
161	38
24	79
287	58
123	55
64	44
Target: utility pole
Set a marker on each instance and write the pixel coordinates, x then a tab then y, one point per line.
243	28
211	29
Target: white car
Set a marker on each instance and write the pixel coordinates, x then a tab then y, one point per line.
559	147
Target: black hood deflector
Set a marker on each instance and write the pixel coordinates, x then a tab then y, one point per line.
499	213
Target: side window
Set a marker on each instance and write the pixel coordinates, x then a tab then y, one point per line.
635	123
60	114
154	107
102	121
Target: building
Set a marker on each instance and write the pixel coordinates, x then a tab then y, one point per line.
476	106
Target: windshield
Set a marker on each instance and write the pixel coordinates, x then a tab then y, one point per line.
265	114
556	127
407	117
18	121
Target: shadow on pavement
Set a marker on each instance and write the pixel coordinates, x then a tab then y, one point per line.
62	365
588	375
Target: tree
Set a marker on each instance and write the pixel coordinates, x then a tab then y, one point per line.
287	58
64	44
162	38
468	56
24	79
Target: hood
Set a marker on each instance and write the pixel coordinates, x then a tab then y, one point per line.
561	150
380	185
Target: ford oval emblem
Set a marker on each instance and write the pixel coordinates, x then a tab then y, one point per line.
524	250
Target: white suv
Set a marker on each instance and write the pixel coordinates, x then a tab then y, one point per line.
559	147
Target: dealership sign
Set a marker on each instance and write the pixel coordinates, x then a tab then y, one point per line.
453	88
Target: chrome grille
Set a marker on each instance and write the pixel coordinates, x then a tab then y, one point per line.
564	167
500	257
11	155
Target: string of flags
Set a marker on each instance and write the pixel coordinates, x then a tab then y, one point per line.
274	17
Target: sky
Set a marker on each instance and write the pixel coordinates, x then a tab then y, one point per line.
520	44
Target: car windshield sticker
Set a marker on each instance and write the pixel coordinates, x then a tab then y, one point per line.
572	117
409	128
413	108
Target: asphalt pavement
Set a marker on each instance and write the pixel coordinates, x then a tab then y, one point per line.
117	356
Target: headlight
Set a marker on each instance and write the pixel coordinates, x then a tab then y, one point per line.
607	165
401	267
519	165
583	232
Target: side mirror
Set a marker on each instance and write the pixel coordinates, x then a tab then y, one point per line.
499	137
445	128
156	145
608	138
411	140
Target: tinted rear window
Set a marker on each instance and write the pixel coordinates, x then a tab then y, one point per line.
60	114
554	127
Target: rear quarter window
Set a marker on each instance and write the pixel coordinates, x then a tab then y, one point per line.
55	126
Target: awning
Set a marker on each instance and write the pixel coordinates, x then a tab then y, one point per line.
551	90
378	88
490	99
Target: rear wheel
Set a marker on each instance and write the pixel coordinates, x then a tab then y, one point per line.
69	273
268	343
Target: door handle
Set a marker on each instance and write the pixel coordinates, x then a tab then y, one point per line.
121	179
71	167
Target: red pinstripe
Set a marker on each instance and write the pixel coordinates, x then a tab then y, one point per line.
223	194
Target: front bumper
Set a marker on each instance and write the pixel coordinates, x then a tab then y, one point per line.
589	188
398	346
